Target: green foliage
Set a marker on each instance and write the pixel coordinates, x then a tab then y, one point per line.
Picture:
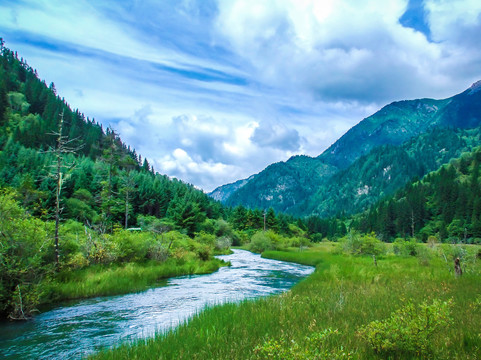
403	247
402	141
445	204
223	244
344	293
409	330
313	349
362	244
260	242
130	246
25	252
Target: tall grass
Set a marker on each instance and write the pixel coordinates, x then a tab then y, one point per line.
344	293
102	280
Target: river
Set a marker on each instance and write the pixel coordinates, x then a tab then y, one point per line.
87	326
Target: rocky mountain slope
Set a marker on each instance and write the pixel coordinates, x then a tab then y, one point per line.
423	132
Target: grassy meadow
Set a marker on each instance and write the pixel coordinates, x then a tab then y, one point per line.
322	316
115	279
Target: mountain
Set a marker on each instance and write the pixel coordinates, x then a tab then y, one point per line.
104	182
223	192
446	204
340	179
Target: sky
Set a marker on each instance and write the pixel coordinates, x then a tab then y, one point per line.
213	91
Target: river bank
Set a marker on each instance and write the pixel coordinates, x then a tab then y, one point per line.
344	294
117	279
81	328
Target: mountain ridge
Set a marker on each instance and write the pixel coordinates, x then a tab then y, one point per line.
284	185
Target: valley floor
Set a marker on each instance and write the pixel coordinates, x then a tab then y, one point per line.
322	316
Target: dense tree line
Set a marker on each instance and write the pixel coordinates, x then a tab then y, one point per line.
69	189
445	204
104	181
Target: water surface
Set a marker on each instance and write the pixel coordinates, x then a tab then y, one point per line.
74	331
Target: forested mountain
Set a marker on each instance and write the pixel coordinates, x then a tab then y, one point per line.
104	181
403	140
222	193
76	202
445	203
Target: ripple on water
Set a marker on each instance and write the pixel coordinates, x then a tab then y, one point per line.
90	325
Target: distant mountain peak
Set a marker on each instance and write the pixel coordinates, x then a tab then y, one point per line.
475	87
357	170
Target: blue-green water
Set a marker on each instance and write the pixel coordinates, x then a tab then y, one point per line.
80	329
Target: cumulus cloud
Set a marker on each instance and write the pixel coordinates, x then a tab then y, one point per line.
340	50
204	150
211	91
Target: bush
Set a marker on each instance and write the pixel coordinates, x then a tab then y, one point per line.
203	252
26	256
223	243
299	242
260	242
239	238
131	246
409	330
424	255
432	241
451	252
77	261
316	238
403	247
158	252
222	228
204	238
314	349
357	244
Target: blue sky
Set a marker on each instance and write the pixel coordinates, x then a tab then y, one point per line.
212	91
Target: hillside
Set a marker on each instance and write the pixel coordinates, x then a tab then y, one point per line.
446	203
303	185
82	215
105	182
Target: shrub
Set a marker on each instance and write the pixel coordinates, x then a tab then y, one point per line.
403	247
314	349
299	242
222	228
204	238
158	252
203	252
316	238
131	246
260	242
357	244
432	241
77	261
409	330
223	243
450	252
25	258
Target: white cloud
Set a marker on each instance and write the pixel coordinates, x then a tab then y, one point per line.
214	91
346	49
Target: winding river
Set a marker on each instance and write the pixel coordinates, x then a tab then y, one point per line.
79	329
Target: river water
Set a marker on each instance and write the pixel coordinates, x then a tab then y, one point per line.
83	328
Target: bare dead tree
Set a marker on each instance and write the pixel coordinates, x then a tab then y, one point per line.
64	145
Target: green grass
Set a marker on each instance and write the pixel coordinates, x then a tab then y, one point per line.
344	293
117	279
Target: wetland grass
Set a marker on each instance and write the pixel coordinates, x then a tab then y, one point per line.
344	293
